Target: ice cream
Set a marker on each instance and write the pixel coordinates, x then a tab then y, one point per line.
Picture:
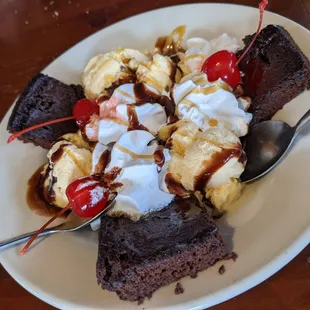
69	159
210	104
139	175
132	106
158	73
209	162
105	70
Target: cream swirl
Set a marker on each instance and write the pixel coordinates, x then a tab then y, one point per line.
139	175
210	104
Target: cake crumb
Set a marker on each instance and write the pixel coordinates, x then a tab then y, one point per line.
87	11
179	289
45	8
56	14
26	22
234	256
15	12
308	259
222	269
51	2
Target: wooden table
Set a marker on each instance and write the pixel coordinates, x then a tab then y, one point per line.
34	32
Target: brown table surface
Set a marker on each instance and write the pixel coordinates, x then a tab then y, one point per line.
34	32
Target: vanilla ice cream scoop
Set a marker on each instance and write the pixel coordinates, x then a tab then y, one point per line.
113	68
209	162
214	158
159	73
69	159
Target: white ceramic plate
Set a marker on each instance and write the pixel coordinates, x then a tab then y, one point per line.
269	226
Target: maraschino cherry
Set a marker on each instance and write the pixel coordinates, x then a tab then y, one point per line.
87	197
82	111
224	64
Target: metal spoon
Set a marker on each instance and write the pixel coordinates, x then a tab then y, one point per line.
267	144
72	223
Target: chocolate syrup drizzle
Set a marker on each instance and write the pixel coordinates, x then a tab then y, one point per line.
133	120
103	161
159	156
144	95
219	159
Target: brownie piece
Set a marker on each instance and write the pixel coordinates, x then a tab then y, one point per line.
45	99
137	258
275	72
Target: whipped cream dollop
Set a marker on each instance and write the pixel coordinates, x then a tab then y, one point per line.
104	70
128	108
199	49
139	174
210	104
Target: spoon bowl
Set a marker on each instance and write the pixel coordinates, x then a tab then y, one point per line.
267	144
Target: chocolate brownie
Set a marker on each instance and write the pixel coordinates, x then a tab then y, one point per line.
275	71
137	258
45	99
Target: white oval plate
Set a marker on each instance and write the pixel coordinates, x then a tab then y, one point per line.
269	227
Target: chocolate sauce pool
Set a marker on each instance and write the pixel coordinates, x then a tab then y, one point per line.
40	197
35	198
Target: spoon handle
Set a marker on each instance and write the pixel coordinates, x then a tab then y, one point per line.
302	122
22	238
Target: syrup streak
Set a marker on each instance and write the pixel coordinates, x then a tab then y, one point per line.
28	244
262	7
19	133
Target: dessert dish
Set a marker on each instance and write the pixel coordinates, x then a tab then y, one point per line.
44	99
276	63
160	130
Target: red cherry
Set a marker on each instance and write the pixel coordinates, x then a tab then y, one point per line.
87	196
222	65
83	110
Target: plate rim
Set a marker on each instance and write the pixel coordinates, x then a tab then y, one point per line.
226	293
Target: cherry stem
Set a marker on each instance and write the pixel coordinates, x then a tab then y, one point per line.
262	7
19	133
28	244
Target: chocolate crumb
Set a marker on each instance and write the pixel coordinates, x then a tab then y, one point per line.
179	289
234	256
222	269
